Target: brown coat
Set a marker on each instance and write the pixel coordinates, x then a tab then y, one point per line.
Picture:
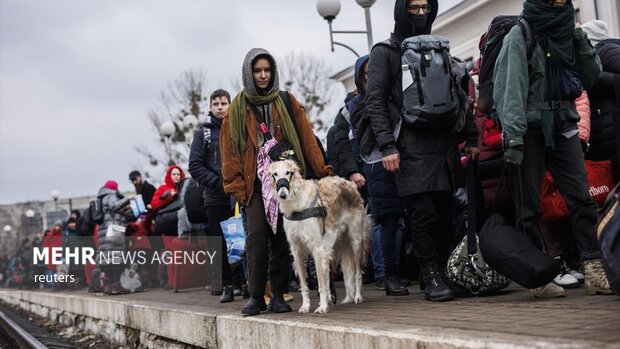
239	171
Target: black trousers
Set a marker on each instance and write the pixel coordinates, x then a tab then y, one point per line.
215	215
566	165
267	253
429	223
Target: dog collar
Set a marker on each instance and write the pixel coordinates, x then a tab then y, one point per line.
314	211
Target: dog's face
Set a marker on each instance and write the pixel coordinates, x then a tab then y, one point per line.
283	176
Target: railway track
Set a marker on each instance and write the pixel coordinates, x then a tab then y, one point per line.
18	332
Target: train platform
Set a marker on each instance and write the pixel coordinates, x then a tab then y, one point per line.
193	318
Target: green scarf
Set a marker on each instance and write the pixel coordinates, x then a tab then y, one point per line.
237	118
554	27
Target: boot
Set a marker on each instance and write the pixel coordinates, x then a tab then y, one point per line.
596	279
277	304
228	295
550	290
435	290
254	306
245	293
393	287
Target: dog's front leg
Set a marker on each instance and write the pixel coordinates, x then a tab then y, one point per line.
322	260
300	269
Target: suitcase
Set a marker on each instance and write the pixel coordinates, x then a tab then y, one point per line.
608	232
188	275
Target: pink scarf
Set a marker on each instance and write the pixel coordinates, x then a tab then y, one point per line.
271	204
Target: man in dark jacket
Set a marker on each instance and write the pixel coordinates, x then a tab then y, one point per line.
143	187
385	205
539	126
205	166
605	97
424	162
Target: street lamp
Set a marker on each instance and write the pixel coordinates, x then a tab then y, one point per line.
166	130
30	214
55	196
7	228
329	9
190	121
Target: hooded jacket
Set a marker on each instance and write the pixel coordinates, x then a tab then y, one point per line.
239	170
158	202
205	163
428	160
347	149
514	91
605	104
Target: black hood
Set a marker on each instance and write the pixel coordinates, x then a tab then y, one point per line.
403	25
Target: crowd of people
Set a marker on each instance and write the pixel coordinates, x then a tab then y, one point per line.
551	112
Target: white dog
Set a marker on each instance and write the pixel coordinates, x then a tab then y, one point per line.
327	220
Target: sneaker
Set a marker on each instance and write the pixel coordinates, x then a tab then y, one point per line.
595	279
565	279
550	290
578	274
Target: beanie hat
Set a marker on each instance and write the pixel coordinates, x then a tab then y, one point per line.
111	185
596	30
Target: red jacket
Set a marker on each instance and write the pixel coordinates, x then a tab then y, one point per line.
157	203
52	239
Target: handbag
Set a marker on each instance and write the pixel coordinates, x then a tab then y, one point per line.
234	234
166	221
466	267
513	253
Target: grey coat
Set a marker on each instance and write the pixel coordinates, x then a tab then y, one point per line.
112	202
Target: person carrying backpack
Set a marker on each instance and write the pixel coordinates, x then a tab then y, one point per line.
205	166
535	104
424	160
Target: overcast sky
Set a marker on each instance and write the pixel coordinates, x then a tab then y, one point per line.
77	77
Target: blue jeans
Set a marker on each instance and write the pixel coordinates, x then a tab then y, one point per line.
391	239
375	251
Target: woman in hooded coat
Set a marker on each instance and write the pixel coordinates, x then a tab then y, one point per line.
165	192
241	141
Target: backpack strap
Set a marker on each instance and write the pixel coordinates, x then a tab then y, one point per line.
528	35
287	103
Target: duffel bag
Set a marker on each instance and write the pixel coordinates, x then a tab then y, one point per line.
514	255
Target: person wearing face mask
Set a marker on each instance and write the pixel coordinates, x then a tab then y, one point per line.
539	121
424	162
242	142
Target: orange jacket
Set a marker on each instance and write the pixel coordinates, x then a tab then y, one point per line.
239	170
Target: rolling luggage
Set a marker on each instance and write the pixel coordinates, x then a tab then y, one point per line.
188	275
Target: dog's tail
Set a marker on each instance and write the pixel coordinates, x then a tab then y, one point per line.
366	235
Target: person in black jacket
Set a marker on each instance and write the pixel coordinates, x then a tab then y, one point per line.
605	97
205	166
425	163
385	204
144	188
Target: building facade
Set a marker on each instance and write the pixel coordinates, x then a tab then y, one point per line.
464	23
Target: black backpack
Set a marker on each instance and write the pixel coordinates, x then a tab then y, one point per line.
498	29
194	201
95	211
